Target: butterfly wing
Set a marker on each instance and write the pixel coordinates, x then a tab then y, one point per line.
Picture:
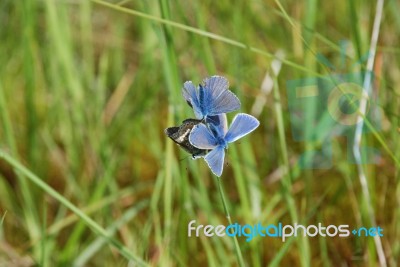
217	124
202	138
191	96
242	125
215	98
215	160
216	85
211	98
171	131
224	103
180	135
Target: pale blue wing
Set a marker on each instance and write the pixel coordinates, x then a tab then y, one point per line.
215	160
215	98
224	103
202	138
190	94
241	125
216	85
218	124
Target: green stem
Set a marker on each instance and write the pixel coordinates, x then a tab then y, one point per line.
127	253
202	33
287	179
228	216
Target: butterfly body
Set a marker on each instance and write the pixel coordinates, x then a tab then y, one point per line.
180	135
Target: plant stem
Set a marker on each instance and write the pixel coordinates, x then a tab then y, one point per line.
126	252
228	216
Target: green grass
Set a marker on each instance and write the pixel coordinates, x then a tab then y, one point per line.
87	177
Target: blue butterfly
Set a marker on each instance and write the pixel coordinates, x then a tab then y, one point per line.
211	98
217	136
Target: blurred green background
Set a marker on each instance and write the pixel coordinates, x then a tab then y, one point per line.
88	87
